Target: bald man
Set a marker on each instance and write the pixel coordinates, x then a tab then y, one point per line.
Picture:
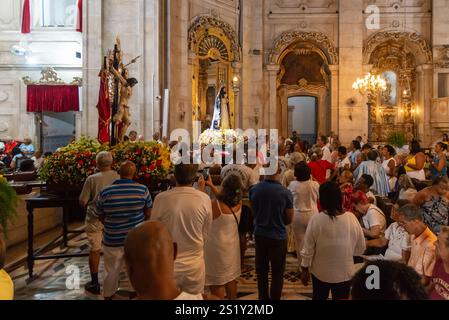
121	207
150	254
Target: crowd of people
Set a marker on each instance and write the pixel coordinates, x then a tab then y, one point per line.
20	157
322	205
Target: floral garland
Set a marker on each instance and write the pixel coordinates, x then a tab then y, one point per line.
151	158
74	163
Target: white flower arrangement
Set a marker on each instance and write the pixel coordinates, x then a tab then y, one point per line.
221	137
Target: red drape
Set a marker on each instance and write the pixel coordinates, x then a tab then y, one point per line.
104	109
79	20
52	98
26	17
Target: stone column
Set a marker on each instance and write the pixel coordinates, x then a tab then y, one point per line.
424	103
92	63
271	120
351	24
335	116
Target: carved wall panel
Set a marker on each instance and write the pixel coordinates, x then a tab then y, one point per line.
304	6
396	6
10	103
10	15
9	97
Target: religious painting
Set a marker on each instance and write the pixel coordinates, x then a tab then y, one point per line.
390	96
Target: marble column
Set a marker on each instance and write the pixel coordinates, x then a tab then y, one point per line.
92	62
353	121
335	116
424	106
271	120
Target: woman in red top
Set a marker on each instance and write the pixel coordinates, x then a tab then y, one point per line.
320	167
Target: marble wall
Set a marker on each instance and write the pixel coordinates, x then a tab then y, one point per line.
56	48
158	31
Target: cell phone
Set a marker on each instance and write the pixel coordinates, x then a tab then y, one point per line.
206	174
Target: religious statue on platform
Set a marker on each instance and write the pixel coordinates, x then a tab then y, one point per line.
221	119
122	119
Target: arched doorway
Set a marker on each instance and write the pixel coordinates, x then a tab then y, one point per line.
304	60
303	116
216	56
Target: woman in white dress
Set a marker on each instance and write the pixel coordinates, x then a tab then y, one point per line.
222	247
305	198
389	164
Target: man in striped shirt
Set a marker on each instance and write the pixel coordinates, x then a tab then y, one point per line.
121	207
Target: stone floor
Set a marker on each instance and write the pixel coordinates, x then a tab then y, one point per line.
53	280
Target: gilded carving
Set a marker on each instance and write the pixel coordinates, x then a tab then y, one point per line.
49	76
203	26
398	37
320	39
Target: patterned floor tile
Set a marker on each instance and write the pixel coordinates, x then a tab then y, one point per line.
51	280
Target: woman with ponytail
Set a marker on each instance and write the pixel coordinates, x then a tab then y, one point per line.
332	240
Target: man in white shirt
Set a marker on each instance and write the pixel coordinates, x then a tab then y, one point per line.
187	214
322	142
344	163
360	140
247	174
150	254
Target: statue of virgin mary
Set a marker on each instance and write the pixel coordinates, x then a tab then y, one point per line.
221	119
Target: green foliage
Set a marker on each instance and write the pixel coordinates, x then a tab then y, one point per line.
397	139
8	205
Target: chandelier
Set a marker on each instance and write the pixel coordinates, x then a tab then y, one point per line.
371	86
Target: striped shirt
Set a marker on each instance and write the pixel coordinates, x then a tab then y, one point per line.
122	206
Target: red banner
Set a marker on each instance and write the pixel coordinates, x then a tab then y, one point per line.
52	98
26	17
104	109
79	20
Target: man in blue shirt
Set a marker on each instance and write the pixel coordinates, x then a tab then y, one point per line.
273	207
121	207
27	148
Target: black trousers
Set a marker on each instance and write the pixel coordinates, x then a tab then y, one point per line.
340	291
270	252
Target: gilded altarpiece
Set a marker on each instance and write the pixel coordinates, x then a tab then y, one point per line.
215	54
394	56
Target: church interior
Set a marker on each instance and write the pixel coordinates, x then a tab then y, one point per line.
356	90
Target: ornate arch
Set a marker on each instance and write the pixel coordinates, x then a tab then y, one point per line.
411	38
209	31
289	38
